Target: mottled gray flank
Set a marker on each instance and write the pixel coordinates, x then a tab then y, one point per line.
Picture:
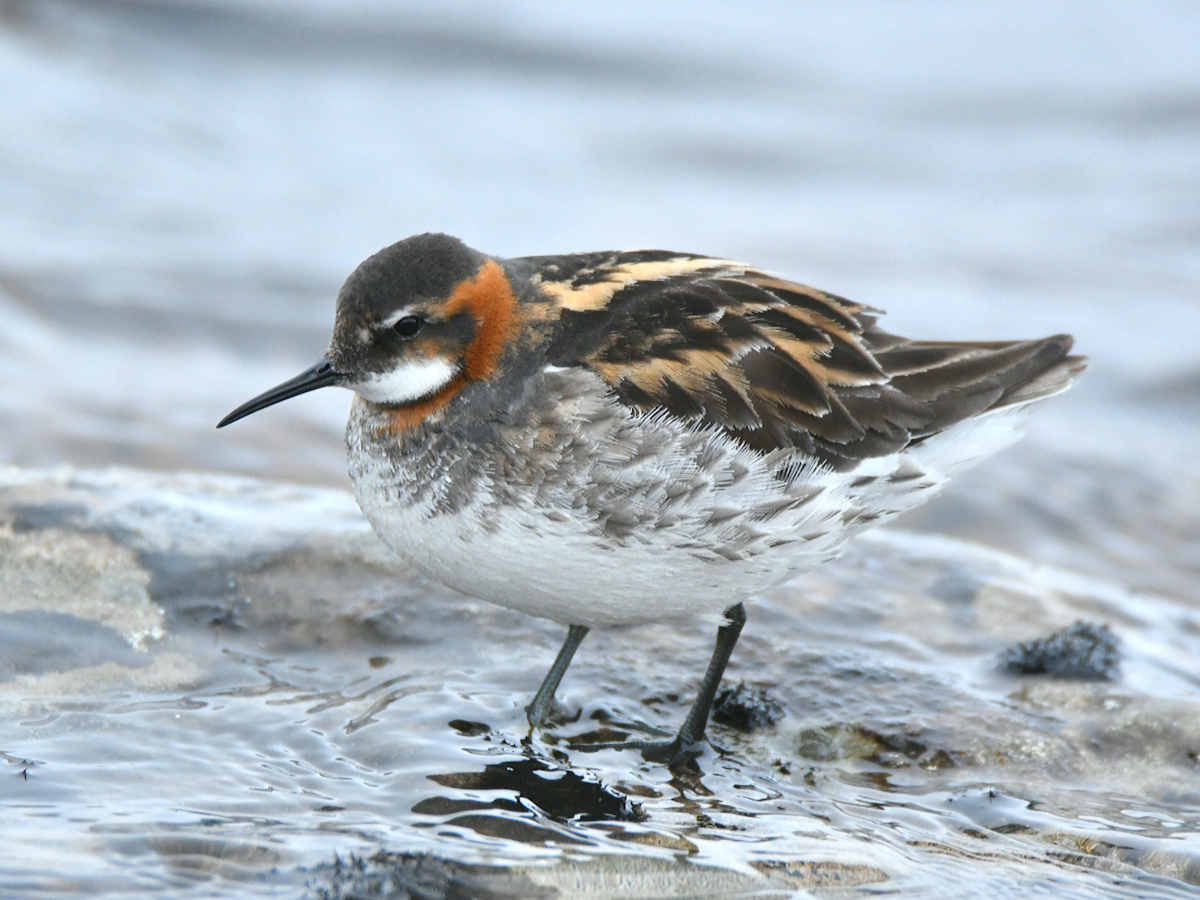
557	441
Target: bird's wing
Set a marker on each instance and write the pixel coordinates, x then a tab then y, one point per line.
774	363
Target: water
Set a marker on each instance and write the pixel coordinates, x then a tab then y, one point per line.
301	695
214	686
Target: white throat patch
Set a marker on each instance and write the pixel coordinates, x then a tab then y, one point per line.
409	381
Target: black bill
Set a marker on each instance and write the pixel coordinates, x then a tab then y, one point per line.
319	376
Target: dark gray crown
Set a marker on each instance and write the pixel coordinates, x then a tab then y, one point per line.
422	267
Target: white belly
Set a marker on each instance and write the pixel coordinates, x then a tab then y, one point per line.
632	517
558	570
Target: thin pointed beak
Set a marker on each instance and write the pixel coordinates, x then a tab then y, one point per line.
319	376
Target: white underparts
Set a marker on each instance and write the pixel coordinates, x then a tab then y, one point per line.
412	379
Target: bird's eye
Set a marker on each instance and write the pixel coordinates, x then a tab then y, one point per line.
408	326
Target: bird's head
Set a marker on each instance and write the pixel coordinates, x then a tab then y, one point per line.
415	323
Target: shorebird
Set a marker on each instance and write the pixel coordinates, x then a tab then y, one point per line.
638	436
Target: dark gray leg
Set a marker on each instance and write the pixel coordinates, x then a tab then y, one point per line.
696	721
536	711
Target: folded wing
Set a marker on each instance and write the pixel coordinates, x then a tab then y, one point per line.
778	364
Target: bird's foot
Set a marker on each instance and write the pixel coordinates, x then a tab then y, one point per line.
551	716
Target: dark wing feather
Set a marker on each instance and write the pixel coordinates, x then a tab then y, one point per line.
774	363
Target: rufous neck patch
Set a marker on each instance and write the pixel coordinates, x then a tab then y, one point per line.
401	419
489	298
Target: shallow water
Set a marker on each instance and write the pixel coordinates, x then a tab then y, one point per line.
216	686
286	692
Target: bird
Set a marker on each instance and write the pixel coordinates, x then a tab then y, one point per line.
625	437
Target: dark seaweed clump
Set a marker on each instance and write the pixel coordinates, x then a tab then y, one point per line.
746	708
1083	651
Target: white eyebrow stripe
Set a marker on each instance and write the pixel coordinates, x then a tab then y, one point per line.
411	380
397	316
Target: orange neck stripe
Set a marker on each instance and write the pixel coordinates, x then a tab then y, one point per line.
489	298
401	419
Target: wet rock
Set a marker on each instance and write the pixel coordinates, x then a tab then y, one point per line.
562	794
90	578
55	514
515	830
1083	651
748	709
890	751
405	876
202	855
34	642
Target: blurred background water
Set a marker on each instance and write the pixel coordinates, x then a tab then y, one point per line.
184	185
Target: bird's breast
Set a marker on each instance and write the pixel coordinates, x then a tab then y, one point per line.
589	513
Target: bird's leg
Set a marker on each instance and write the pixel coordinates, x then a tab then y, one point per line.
693	726
536	711
683	746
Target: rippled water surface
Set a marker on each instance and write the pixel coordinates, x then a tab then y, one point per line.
219	685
